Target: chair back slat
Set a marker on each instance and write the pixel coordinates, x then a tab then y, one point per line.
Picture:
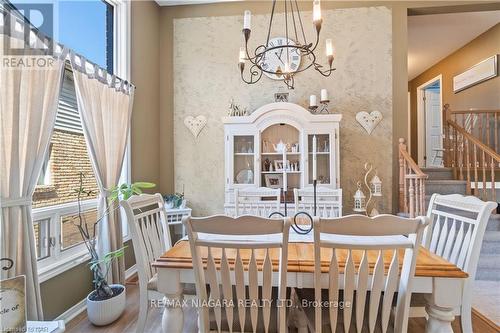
328	201
239	262
457	229
226	286
260	201
267	275
362	289
374	234
147	222
349	277
376	291
240	289
390	288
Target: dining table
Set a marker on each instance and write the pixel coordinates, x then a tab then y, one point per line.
440	280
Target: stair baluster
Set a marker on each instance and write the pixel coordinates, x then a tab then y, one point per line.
411	184
463	138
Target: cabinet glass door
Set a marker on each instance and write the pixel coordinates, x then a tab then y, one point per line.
243	159
323	148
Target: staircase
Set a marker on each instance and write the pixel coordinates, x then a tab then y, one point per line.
440	180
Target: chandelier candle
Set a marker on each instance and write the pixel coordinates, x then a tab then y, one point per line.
317	12
247	20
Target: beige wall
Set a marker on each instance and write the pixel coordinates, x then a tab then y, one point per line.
485	95
145	59
206	77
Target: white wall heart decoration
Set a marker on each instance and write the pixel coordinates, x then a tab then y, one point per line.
195	124
369	120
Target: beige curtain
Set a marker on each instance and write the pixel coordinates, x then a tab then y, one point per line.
28	107
105	105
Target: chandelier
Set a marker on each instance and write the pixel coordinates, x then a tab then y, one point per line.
281	58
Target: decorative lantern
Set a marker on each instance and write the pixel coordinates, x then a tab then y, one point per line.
359	200
376	186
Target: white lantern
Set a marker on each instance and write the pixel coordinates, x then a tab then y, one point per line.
359	200
376	186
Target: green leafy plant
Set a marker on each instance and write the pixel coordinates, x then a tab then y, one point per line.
100	266
174	199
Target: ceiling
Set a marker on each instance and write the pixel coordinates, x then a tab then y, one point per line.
433	37
188	2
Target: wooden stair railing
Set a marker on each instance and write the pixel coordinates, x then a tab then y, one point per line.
471	160
482	124
411	184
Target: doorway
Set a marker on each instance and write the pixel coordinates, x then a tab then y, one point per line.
430	125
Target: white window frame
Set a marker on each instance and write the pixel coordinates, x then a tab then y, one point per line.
60	260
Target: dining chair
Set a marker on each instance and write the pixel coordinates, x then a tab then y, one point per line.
455	232
253	253
390	239
328	201
258	201
147	222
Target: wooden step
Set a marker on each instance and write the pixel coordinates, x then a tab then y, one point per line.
439	173
444	186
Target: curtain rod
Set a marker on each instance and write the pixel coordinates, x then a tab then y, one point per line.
9	11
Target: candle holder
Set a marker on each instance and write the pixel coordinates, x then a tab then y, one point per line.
374	189
321	109
298	228
324	107
313	108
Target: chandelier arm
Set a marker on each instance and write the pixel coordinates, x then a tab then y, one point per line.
318	29
326	73
300	21
294	24
253	73
286	35
270	22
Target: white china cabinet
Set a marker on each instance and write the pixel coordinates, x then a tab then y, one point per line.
253	157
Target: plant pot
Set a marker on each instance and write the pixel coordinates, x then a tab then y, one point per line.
105	312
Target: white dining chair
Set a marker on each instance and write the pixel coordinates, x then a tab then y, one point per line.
455	232
338	241
328	201
238	242
258	201
147	222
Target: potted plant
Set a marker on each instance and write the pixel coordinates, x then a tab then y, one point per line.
175	200
106	302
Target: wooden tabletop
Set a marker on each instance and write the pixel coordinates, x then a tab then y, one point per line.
301	259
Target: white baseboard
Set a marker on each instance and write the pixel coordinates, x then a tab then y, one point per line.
72	312
81	306
131	271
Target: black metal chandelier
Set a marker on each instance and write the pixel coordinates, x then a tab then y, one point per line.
285	52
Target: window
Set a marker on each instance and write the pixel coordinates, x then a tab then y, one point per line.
45	178
99	31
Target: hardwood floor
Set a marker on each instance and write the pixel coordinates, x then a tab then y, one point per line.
126	323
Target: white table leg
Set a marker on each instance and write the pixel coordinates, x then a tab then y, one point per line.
173	315
446	296
440	319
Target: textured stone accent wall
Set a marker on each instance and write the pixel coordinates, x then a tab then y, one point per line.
206	77
69	157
